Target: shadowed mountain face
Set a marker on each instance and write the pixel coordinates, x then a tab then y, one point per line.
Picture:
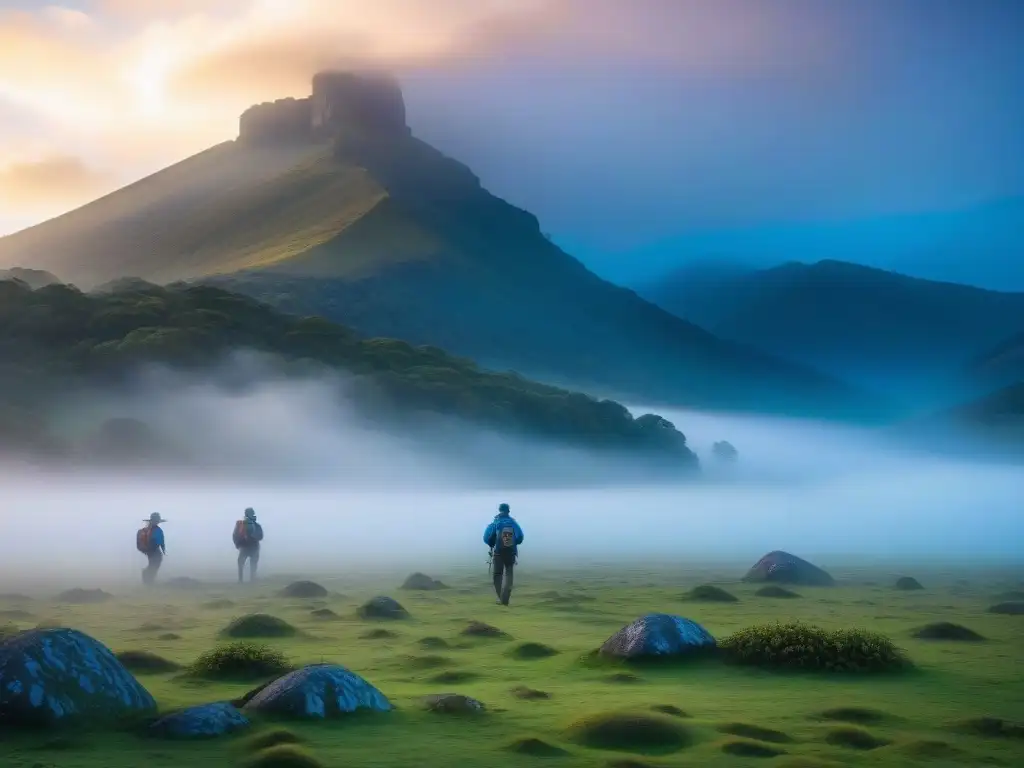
328	205
1002	364
876	327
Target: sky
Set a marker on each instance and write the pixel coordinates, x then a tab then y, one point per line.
641	132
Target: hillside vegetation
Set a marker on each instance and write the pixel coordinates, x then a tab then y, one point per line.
385	234
55	338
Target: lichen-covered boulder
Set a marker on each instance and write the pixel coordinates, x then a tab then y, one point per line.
51	676
784	568
382	608
202	722
316	692
658	635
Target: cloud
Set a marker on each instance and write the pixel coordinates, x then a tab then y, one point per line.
59	180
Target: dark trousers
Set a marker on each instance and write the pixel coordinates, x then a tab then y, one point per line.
252	554
502	570
156	559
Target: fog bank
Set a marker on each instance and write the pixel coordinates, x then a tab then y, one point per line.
820	491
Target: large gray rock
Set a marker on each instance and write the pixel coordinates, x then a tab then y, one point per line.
202	722
316	692
783	568
658	635
51	676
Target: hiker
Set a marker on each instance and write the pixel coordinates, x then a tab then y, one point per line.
150	542
503	536
247	537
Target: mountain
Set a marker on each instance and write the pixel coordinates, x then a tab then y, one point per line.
329	205
34	278
874	327
58	342
1002	364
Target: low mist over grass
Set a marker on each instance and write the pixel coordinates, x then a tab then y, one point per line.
327	489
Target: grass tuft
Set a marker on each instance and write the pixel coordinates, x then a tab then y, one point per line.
630	732
851	737
536	748
241	661
744	748
756	732
532	651
859	715
945	630
283	756
272	738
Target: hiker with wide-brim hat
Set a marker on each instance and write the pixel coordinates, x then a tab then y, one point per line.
150	542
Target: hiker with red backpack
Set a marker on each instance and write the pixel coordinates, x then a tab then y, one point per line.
247	537
150	541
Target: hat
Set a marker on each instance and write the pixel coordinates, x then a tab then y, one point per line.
503	508
250	513
155	519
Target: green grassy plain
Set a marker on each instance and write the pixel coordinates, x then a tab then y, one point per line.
913	714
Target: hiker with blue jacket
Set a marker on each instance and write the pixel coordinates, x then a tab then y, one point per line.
503	536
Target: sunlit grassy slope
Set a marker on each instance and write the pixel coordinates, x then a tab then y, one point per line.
913	714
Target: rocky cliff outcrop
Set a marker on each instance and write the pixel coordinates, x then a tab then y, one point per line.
276	121
343	104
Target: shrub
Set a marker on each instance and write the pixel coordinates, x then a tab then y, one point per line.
259	625
801	647
240	661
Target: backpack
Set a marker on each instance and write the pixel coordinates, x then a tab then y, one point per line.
144	540
241	537
505	538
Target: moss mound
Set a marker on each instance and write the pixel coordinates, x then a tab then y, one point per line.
932	749
533	651
945	630
669	709
382	608
379	634
218	605
744	748
850	737
240	661
304	590
430	661
16	614
623	678
796	646
259	625
774	590
272	738
454	677
283	756
479	629
630	732
166	636
422	582
1010	608
756	732
536	748
529	694
146	663
708	593
1012	596
433	643
908	583
990	728
860	715
629	762
79	596
325	614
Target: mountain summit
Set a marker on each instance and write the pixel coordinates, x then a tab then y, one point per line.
329	205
